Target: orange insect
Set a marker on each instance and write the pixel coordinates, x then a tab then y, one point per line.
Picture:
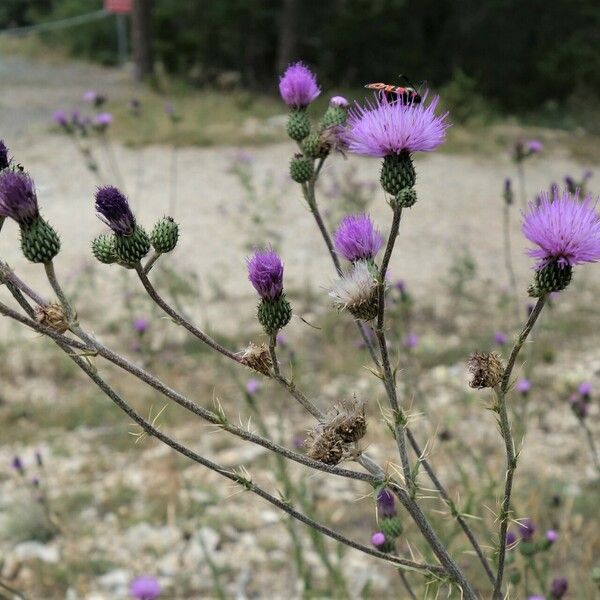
405	94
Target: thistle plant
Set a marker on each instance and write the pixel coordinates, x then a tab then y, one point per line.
564	229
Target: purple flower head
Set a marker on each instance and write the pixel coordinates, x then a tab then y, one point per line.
356	238
523	386
551	535
298	86
565	229
559	587
17	465
339	101
90	96
400	285
103	120
382	128
534	146
60	118
4	159
526	529
536	597
265	272
386	503
18	199
252	386
281	339
411	341
585	389
140	324
378	539
579	406
113	209
500	338
511	538
144	588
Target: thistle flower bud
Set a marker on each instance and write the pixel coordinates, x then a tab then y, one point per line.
325	445
348	421
486	368
357	292
4	159
316	145
53	316
558	588
508	194
301	168
258	357
39	241
103	248
336	114
391	527
378	539
265	272
386	504
164	235
397	173
298	125
551	278
527	528
131	241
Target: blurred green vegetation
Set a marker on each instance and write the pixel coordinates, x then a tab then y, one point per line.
515	55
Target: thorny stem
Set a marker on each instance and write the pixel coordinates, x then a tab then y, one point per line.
212	417
181	320
273	353
505	429
233	476
399	417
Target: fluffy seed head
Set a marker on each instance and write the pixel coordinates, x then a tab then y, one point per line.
113	209
382	128
18	199
265	272
565	230
298	86
356	238
356	291
486	368
325	445
348	420
258	357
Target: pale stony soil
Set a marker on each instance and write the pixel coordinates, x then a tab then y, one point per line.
143	510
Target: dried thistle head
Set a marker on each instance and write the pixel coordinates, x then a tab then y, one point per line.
348	420
53	316
356	292
325	445
486	368
257	357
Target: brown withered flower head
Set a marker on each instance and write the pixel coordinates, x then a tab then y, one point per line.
348	420
486	368
325	445
53	316
257	357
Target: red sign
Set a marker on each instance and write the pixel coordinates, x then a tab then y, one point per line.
120	7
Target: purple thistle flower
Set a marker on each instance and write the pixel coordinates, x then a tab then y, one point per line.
252	386
511	538
145	588
339	101
579	406
18	199
500	338
536	597
140	324
526	529
4	160
551	535
523	386
103	120
113	209
90	96
17	465
559	587
400	285
565	229
356	238
411	341
382	128
534	146
386	503
585	389
60	118
265	272
378	539
298	86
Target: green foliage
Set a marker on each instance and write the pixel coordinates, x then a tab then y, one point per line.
517	54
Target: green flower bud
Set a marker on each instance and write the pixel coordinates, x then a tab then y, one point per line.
103	248
164	235
551	278
298	125
275	314
130	249
397	173
39	241
301	168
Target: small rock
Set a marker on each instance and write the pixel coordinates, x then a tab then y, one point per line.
36	550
